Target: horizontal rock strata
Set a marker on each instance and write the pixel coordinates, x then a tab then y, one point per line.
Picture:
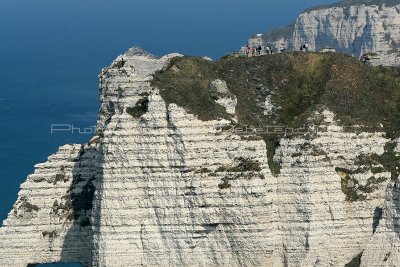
157	186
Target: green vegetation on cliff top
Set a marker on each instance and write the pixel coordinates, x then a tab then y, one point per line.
299	85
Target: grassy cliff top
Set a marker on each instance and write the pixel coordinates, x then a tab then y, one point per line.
298	84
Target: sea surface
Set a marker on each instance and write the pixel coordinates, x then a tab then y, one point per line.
52	51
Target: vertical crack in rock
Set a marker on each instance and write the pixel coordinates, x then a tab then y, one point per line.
306	163
382	249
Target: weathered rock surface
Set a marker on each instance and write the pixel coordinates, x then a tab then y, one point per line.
158	187
354	29
220	93
384	247
50	221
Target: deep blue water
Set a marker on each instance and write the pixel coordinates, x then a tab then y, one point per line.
52	51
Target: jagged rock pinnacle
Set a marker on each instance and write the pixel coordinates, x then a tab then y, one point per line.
138	51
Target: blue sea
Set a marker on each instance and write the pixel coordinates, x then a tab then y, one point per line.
52	51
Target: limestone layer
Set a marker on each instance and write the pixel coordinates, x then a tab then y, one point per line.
354	30
157	186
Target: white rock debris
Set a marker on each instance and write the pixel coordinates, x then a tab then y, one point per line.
220	92
269	107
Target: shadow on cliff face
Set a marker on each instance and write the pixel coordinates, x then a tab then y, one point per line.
74	209
376	219
396	202
78	242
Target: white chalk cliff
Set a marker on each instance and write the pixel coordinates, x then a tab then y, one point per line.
168	189
351	27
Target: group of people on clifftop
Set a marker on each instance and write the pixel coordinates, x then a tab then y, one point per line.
304	47
255	50
365	59
258	50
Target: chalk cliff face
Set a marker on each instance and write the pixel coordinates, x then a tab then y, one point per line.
353	28
158	186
